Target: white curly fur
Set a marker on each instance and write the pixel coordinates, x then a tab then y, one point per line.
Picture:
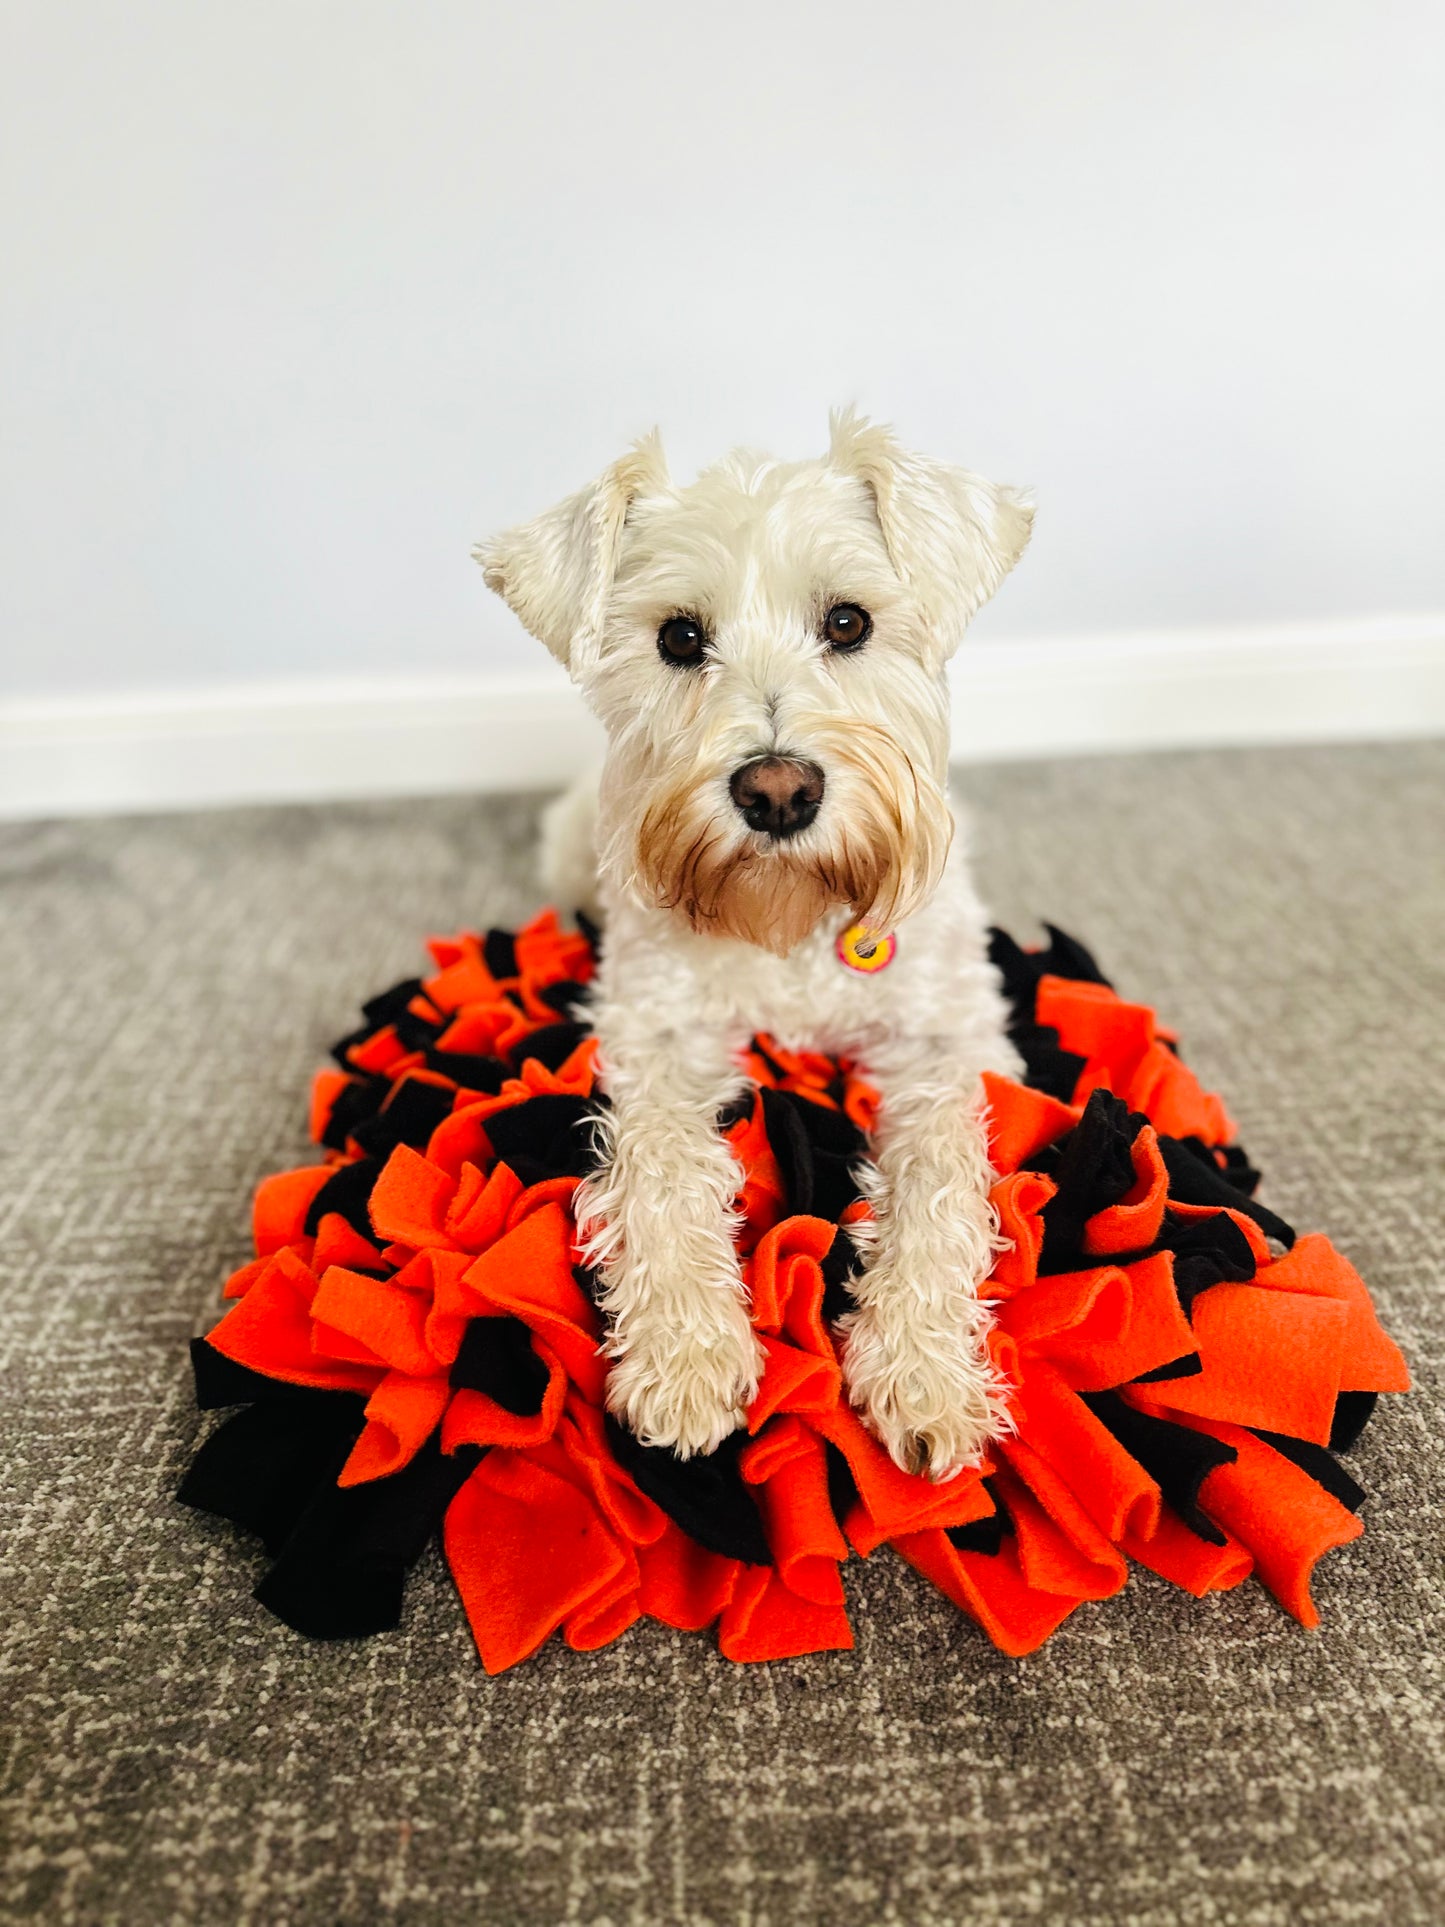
713	933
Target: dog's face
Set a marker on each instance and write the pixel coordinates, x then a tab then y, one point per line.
766	648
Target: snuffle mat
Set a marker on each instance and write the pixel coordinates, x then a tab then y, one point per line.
413	1350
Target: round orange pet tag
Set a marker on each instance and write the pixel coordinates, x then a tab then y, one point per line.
864	949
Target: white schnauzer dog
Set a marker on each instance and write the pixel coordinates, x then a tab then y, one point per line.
766	648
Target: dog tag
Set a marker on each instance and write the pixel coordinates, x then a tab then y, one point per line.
864	949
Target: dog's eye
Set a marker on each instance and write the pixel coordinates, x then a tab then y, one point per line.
682	640
846	626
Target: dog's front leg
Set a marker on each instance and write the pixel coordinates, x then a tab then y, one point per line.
659	1219
916	1361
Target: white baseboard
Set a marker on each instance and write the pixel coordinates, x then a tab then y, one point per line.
291	742
1363	678
1357	679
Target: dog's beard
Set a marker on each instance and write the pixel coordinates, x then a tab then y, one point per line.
882	858
769	897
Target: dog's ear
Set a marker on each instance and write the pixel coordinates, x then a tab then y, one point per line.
951	535
555	572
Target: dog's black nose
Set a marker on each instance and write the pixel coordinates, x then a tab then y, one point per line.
776	795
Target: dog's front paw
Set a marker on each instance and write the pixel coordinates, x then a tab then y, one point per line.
686	1379
928	1392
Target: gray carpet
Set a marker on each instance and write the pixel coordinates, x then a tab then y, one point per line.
168	1753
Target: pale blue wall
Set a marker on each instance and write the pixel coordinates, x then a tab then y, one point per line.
297	298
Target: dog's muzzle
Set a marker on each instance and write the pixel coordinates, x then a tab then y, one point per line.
776	795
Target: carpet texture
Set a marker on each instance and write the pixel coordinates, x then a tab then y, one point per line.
169	1753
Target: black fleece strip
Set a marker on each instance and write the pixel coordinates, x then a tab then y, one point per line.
499	951
388	1005
348	1192
1232	1162
1198	1180
589	1282
471	1070
497	1358
1175	1457
1047	1067
546	1137
564	997
417	1033
835	1185
410	1115
552	1045
1016	969
220	1382
841	1264
842	1486
706	1496
1021	969
985	1535
1067	957
829	1131
262	1465
1322	1467
1353	1412
1093	1170
1207	1251
342	1571
789	1144
817	1148
1190	1366
356	1101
